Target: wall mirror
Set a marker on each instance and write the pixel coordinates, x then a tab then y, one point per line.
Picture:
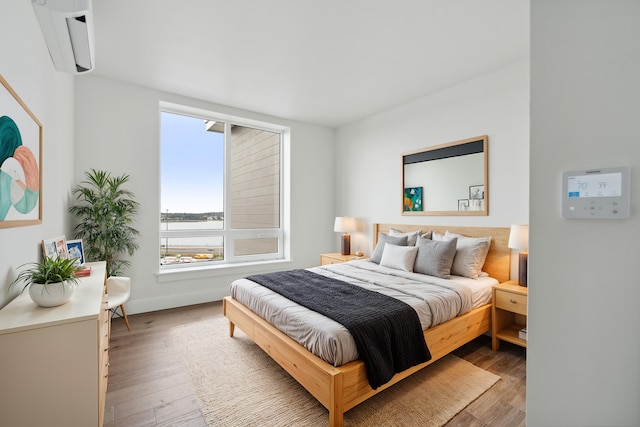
447	179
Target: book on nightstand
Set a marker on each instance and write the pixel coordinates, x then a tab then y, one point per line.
522	333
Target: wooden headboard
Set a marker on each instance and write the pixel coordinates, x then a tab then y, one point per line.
498	263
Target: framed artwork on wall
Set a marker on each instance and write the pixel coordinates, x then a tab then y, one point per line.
20	161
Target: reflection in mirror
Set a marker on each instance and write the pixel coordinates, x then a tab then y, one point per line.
447	179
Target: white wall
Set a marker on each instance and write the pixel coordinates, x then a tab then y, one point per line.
26	65
368	152
117	129
583	364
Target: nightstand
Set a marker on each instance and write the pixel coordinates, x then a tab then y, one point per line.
337	258
509	313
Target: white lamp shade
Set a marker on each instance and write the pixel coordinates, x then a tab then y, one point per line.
344	224
519	237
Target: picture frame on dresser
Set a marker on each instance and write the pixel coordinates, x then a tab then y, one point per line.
55	248
75	249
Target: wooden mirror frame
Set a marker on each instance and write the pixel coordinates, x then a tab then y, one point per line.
476	145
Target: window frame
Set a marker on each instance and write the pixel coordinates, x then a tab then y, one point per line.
230	235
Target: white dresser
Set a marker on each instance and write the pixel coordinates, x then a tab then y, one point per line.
54	361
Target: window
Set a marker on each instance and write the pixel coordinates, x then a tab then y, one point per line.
220	189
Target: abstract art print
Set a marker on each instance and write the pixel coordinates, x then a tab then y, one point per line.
413	199
20	161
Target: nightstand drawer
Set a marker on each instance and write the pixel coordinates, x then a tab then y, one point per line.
324	260
509	301
337	258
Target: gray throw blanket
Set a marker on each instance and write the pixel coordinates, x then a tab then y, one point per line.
386	331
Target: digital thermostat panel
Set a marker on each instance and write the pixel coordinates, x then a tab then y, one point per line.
597	193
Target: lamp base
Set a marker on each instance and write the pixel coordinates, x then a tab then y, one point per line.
523	260
346	244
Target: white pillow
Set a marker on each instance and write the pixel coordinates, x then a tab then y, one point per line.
399	257
471	253
437	236
383	238
412	236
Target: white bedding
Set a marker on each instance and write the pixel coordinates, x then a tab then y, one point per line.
435	300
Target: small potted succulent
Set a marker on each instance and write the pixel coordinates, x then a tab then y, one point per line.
51	282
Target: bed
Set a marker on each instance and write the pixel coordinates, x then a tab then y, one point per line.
340	388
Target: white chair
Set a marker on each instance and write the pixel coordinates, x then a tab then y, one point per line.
118	291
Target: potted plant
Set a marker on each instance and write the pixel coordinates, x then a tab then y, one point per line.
106	213
51	282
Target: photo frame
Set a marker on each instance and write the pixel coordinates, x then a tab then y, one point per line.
476	192
75	249
20	160
463	204
55	248
412	199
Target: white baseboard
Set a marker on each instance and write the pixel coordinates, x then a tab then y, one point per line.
172	301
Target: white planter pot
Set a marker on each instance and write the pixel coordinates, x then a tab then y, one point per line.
52	294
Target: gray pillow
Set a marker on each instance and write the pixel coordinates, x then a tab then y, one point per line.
383	238
412	236
435	257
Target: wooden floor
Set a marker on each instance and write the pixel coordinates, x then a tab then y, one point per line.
149	386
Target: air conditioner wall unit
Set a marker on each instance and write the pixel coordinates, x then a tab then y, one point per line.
67	26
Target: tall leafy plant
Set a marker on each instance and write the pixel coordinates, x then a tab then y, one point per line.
106	212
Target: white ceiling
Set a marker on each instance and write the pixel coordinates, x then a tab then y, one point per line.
328	62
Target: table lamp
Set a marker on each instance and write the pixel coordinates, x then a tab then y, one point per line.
345	224
519	239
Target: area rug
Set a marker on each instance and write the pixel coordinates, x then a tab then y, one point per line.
238	384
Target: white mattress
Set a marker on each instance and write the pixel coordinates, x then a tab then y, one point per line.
435	300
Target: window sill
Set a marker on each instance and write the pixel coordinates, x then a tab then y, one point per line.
197	272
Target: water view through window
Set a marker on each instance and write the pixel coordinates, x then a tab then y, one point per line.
220	191
195	248
192	188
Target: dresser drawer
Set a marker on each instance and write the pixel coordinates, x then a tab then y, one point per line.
510	301
103	379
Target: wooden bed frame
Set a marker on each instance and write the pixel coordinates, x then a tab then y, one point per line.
341	388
